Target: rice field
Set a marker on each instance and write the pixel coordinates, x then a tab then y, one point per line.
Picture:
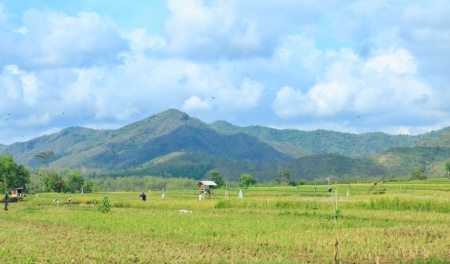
409	223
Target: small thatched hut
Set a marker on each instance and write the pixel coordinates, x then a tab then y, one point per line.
206	187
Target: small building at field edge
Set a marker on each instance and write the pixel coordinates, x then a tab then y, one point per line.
17	192
16	195
206	187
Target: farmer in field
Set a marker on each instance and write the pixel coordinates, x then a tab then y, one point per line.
144	198
70	198
6	202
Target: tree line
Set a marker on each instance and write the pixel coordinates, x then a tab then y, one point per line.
49	180
13	175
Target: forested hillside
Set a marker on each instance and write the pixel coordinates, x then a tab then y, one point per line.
133	148
173	142
305	143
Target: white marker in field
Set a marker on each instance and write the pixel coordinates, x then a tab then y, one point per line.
240	196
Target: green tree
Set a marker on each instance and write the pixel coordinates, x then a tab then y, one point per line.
215	177
52	182
74	182
247	180
3	188
59	186
45	157
88	186
11	174
284	176
418	175
447	168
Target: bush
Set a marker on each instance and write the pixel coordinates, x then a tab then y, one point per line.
104	206
292	183
302	182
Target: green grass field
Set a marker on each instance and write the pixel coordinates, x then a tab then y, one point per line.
407	224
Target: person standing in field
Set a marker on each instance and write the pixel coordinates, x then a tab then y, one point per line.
6	202
144	198
70	199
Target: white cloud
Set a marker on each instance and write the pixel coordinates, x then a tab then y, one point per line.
290	103
298	51
399	61
414	129
242	98
422	28
290	62
402	130
30	88
141	41
99	93
12	69
207	30
195	103
54	39
20	85
380	84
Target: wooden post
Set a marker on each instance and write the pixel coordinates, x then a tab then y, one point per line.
336	243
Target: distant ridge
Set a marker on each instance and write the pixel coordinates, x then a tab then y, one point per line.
174	142
323	141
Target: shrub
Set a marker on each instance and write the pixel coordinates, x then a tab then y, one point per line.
292	183
104	206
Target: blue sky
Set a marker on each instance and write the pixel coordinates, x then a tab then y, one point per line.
348	65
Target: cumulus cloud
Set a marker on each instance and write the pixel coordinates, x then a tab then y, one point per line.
19	86
195	103
199	29
53	39
422	28
398	61
141	41
380	84
300	64
241	98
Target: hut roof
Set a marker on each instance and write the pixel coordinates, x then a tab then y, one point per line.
208	183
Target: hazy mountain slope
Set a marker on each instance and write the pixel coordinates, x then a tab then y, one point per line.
327	165
183	146
405	160
75	146
322	141
155	126
137	143
443	141
188	139
67	142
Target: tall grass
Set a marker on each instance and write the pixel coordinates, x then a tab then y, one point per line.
268	226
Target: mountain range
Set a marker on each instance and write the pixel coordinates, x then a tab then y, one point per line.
175	143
